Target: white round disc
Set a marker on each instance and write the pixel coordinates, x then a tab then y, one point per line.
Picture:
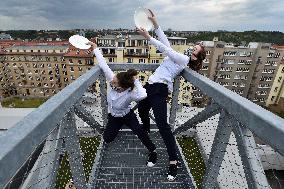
141	18
79	42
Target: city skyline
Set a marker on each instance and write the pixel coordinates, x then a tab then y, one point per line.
205	15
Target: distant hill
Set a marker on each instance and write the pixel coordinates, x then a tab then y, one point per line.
274	37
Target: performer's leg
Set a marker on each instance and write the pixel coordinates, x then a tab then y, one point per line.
132	122
113	126
159	106
144	109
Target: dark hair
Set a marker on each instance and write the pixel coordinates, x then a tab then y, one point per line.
196	65
125	79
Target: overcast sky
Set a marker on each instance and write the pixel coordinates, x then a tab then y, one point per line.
232	15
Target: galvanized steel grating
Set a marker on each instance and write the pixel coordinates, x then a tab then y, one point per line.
123	165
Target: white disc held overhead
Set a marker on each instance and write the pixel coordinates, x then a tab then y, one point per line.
141	18
79	42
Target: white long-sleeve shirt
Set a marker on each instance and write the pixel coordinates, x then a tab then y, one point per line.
172	64
119	102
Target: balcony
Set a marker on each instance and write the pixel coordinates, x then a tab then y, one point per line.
32	151
133	54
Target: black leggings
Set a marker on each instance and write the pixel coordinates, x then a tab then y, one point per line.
115	123
157	94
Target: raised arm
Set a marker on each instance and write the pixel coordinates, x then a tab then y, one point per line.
162	37
178	58
159	32
103	65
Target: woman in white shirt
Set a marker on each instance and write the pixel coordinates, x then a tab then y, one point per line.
124	88
160	83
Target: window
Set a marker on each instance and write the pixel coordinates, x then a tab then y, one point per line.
155	61
141	60
111	60
90	62
70	61
129	60
204	67
279	79
72	69
276	89
272	98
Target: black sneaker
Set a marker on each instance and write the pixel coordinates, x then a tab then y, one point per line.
152	159
172	173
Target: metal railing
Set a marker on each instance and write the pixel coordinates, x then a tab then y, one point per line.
54	124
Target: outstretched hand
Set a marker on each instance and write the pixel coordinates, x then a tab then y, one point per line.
144	33
93	44
153	19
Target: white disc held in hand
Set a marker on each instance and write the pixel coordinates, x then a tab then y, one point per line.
141	18
79	42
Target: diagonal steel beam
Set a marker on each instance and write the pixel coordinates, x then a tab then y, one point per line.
86	116
43	173
264	124
103	91
208	112
253	168
73	149
94	173
174	104
218	150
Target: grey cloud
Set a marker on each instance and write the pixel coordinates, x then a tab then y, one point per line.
176	14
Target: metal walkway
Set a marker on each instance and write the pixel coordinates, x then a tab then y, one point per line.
53	128
123	165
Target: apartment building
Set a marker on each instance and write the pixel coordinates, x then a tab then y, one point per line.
32	69
247	70
276	95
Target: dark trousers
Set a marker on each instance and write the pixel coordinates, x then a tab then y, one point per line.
157	94
115	123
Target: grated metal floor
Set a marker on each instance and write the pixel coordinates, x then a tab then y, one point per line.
123	165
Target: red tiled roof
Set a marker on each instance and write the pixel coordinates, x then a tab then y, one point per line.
8	43
278	47
74	52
